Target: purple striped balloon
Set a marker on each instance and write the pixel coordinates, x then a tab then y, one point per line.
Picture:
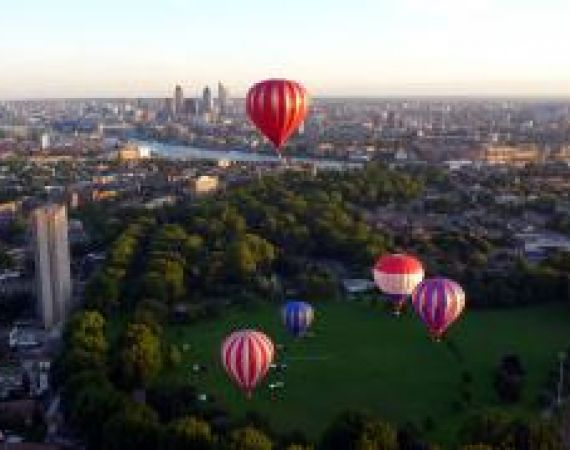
438	302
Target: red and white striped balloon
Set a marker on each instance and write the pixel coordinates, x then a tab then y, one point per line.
277	107
398	274
246	357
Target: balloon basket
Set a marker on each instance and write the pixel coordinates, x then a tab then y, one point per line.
399	308
437	338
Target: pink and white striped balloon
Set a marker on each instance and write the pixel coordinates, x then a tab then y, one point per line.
438	302
246	357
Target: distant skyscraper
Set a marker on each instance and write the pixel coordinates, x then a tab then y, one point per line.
223	98
192	106
207	101
169	106
391	119
53	272
178	101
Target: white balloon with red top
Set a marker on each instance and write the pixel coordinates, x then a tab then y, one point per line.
397	276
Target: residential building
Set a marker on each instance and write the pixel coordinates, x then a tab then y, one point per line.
205	184
53	273
519	155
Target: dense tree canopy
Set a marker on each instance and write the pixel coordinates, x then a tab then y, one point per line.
356	431
189	432
249	438
501	430
141	357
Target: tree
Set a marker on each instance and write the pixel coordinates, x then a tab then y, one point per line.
249	438
189	432
173	273
76	382
133	428
154	286
317	284
86	342
102	292
502	430
75	360
140	355
151	313
15	233
173	357
509	379
357	431
164	279
92	406
377	435
249	254
172	399
6	261
536	434
487	427
409	437
295	440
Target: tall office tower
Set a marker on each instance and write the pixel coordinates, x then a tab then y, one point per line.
178	101
391	119
192	106
223	97
53	272
168	107
207	101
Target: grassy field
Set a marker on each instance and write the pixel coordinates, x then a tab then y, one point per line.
361	357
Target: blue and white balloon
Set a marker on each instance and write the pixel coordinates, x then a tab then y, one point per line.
297	317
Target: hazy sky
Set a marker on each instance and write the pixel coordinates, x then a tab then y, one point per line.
335	47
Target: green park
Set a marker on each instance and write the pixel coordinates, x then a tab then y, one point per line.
360	357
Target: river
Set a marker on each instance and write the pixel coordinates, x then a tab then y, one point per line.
185	152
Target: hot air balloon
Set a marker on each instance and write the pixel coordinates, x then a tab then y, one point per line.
397	276
277	108
438	302
246	357
297	317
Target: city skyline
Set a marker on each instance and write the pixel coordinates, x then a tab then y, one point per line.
370	48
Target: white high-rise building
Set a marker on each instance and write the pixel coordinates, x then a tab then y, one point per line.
45	141
53	271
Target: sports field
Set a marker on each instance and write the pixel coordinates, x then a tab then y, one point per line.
361	357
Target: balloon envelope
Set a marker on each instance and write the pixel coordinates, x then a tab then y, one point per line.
398	275
297	317
438	302
246	357
277	107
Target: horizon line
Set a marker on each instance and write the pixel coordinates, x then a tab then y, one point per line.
467	96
